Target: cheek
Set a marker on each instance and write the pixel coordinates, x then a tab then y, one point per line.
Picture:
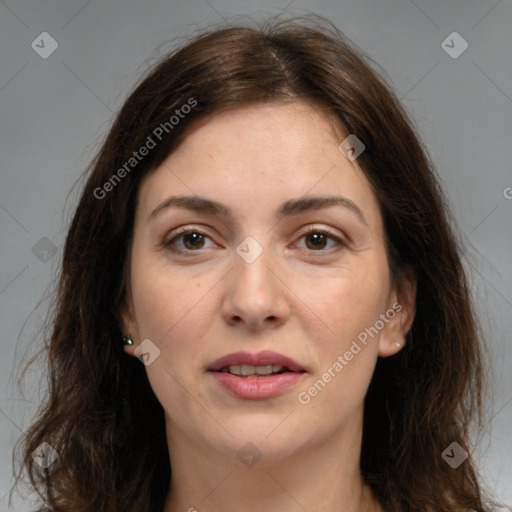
172	310
359	303
349	305
348	302
174	313
345	364
159	306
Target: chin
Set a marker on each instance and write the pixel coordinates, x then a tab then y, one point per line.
263	439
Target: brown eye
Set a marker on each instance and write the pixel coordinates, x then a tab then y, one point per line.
185	240
193	240
318	240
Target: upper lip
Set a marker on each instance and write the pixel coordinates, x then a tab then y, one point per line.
264	358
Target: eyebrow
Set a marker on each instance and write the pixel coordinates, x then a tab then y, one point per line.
287	209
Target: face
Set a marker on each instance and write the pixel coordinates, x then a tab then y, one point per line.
301	285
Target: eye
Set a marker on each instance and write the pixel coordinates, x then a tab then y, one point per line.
317	239
185	240
192	240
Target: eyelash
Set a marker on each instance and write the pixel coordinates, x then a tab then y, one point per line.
181	232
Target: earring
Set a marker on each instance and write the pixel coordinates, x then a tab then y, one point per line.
127	340
397	344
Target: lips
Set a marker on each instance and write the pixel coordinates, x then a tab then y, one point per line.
246	375
264	358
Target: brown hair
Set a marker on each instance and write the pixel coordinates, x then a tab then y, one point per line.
101	414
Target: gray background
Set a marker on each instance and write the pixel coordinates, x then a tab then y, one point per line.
55	111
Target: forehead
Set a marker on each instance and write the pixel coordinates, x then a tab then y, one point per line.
270	135
256	157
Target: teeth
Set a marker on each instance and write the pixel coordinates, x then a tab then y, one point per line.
247	369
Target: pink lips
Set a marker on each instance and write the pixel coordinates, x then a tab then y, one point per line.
260	359
265	386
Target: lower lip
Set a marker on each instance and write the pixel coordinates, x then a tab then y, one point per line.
257	387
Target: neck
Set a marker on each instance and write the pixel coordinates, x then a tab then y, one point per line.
318	478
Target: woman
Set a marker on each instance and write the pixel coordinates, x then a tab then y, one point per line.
262	304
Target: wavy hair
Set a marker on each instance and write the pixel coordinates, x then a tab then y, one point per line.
101	414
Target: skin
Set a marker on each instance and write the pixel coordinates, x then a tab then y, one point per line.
306	301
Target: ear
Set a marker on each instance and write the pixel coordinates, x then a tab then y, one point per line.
400	312
127	322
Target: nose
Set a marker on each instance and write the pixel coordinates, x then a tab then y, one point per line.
256	295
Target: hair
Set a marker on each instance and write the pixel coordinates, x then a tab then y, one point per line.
101	414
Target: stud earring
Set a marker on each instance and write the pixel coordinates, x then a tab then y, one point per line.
397	344
127	340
